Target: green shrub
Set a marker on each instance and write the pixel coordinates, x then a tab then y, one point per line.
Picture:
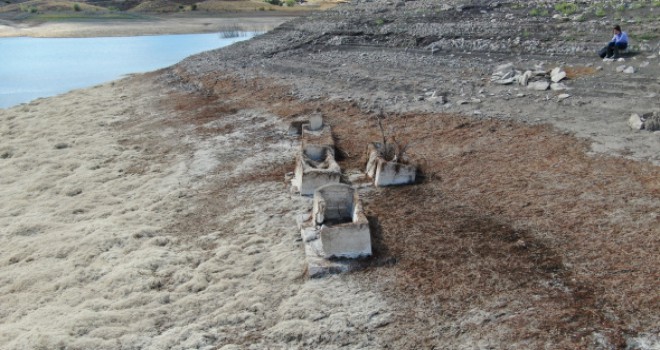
274	2
600	12
566	8
193	7
289	3
76	7
539	12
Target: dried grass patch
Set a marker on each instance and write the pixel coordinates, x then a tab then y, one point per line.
579	71
510	220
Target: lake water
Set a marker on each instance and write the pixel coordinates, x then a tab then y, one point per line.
33	67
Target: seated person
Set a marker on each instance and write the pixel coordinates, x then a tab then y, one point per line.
619	43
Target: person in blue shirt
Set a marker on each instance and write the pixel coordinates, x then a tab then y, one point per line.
619	43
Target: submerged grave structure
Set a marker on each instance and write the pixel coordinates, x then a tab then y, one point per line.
388	166
315	163
337	230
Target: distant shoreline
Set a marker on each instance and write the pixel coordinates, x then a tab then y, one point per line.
160	25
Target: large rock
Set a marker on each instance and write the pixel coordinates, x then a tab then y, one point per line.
557	75
558	87
538	85
635	122
504	74
523	79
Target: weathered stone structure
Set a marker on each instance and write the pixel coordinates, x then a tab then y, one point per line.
388	173
315	167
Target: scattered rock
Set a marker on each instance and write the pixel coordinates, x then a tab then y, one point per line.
538	85
620	69
629	70
62	145
644	64
563	97
504	74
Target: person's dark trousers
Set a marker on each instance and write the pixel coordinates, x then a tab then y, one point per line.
613	49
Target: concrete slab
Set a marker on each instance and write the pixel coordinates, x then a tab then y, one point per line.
340	223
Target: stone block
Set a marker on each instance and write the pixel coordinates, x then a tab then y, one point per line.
387	173
315	167
341	226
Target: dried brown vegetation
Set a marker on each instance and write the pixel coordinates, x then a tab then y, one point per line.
515	234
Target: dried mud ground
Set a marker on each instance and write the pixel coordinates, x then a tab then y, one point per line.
152	212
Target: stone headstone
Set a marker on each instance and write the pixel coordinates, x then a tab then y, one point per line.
316	122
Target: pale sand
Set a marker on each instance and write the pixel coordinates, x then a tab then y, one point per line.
157	26
119	228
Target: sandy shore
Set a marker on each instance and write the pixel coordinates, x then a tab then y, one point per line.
141	227
155	26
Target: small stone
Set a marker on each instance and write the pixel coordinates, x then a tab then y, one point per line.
62	145
635	122
538	85
621	59
74	192
563	97
520	95
620	69
644	64
461	102
629	70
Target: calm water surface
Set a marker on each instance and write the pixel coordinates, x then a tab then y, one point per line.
32	67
